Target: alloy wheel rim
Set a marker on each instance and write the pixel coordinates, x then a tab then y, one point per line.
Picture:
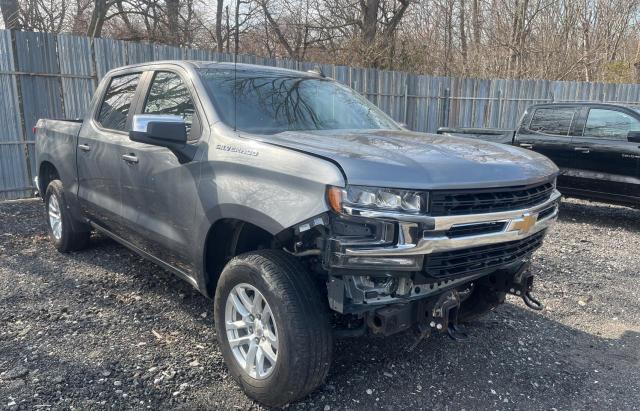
251	331
55	217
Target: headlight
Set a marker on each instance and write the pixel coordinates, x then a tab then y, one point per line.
375	198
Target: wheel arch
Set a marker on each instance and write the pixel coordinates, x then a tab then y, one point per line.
230	236
47	172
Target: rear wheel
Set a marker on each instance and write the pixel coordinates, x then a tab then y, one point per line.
65	234
273	327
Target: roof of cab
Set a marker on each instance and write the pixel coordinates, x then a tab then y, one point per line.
194	64
587	104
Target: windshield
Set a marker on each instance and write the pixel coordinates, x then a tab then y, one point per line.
269	103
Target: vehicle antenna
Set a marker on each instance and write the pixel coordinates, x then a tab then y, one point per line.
235	71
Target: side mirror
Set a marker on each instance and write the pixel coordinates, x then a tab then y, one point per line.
163	130
633	136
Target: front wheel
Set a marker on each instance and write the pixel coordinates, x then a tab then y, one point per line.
272	326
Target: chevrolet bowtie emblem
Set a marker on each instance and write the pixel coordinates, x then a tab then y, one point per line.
524	223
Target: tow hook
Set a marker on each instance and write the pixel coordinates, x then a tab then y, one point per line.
457	332
531	302
444	316
522	285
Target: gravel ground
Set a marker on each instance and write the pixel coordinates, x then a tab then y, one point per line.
103	328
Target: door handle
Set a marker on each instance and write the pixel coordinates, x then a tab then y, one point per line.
584	150
84	147
526	145
130	158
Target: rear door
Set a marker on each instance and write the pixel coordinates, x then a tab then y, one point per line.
159	194
606	163
99	145
548	130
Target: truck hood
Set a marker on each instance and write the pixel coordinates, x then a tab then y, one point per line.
405	159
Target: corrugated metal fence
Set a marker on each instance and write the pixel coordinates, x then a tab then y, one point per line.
46	75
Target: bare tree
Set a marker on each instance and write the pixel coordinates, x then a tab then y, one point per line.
594	40
173	18
369	20
11	14
219	38
97	18
289	21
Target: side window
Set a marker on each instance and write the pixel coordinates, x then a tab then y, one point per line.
610	124
117	101
169	95
552	120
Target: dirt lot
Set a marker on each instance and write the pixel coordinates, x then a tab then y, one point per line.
103	328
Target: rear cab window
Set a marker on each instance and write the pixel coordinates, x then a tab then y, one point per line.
556	121
117	100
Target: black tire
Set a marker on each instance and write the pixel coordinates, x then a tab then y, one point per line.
73	235
305	341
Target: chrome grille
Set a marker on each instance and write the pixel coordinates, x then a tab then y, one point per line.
461	202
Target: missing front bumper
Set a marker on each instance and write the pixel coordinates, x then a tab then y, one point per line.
444	309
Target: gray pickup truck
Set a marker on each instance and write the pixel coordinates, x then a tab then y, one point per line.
305	212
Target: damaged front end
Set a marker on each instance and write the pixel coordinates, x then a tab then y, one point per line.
454	259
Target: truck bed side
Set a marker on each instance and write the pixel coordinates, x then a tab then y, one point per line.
56	142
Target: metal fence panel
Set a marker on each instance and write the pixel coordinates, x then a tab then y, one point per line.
195	54
78	74
40	86
108	54
13	166
139	53
36	52
162	52
55	76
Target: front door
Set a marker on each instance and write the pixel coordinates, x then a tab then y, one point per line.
549	133
159	194
98	151
605	161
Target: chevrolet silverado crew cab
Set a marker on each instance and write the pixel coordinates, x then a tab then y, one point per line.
304	211
595	145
